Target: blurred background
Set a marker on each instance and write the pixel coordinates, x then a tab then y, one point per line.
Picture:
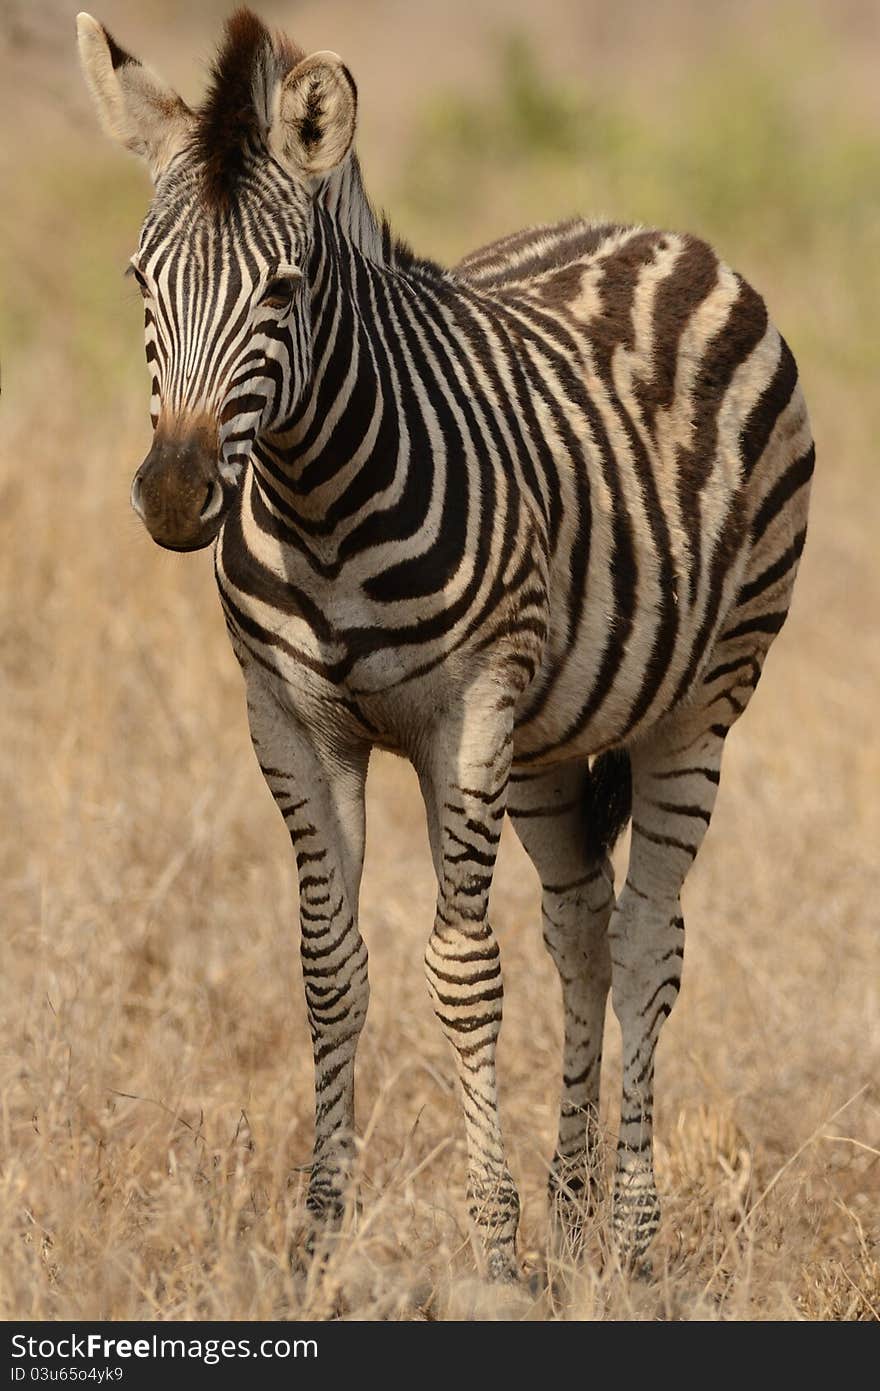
155	1077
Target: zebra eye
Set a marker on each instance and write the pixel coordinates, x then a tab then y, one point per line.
139	279
278	294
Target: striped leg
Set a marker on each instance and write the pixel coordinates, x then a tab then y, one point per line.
320	794
675	779
465	794
548	810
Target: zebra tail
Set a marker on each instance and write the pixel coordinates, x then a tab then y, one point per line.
608	803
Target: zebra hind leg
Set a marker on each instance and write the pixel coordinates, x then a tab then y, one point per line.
549	811
675	780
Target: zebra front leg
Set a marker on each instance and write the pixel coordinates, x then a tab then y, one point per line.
465	787
548	810
675	779
320	793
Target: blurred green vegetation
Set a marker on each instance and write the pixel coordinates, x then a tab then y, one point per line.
790	196
732	154
77	223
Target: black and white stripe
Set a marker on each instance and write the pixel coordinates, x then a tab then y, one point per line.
540	509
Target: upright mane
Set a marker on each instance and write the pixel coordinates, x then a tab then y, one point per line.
235	113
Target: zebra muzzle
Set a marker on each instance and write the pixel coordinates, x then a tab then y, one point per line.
177	492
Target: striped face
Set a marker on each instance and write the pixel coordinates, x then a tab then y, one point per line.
223	252
228	339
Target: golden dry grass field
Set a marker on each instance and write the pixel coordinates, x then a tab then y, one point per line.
155	1069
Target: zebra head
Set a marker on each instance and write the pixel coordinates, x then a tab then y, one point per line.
224	253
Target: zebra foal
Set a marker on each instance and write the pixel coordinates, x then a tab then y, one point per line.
540	509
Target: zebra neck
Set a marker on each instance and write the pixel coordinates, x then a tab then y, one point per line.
344	200
344	452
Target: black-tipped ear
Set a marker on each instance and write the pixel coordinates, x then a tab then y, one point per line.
315	115
134	106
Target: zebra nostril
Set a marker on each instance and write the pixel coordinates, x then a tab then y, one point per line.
136	501
213	501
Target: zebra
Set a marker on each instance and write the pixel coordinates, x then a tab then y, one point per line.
531	522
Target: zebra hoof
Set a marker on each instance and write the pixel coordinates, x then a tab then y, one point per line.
573	1196
493	1209
501	1267
326	1210
635	1219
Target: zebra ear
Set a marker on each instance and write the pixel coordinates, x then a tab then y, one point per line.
134	106
314	115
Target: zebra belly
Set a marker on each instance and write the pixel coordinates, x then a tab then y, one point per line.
600	691
601	678
586	696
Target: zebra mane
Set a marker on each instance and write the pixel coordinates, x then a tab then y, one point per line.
235	116
235	113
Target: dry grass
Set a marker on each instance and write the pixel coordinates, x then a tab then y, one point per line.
155	1080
